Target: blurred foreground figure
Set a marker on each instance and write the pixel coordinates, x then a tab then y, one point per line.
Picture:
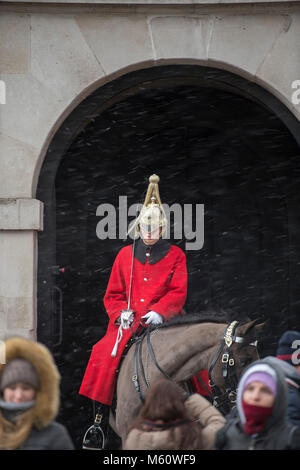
29	398
259	421
169	421
288	358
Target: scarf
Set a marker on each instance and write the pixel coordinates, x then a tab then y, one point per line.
16	422
256	417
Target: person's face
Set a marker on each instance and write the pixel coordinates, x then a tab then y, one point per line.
150	237
257	393
18	393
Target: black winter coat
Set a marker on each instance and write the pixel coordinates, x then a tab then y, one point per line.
281	437
53	437
293	380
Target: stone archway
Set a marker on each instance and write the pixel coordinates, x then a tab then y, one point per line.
109	49
70	328
45	82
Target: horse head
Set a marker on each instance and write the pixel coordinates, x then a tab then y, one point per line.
237	350
179	350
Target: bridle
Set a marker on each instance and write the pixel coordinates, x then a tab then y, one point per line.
221	400
224	401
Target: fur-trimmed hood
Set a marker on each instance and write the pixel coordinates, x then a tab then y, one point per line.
47	398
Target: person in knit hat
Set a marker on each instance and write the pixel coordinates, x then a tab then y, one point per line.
19	381
289	348
256	397
29	398
260	418
288	357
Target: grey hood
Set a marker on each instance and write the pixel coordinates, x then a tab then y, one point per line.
290	372
281	399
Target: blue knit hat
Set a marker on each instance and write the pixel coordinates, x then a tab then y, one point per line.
289	347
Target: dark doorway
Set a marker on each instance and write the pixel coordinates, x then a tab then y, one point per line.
213	138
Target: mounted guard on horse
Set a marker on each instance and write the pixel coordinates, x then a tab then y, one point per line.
147	286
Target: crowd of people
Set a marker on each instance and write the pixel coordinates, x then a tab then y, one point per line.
266	415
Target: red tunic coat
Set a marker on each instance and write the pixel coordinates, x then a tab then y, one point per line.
161	287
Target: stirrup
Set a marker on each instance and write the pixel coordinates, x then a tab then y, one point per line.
94	438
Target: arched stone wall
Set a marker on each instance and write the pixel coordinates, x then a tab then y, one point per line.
54	59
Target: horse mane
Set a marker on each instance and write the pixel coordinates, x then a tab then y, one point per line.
205	316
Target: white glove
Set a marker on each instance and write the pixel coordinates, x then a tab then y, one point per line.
153	318
127	318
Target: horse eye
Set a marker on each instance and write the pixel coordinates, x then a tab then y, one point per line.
244	362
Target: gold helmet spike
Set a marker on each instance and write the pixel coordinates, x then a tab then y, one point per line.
152	196
152	212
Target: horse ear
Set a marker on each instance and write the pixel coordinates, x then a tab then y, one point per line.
247	328
260	327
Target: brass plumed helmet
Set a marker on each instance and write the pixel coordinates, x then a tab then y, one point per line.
152	215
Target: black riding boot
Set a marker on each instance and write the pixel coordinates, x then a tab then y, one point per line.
96	435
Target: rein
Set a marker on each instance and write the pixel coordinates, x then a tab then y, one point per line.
138	360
